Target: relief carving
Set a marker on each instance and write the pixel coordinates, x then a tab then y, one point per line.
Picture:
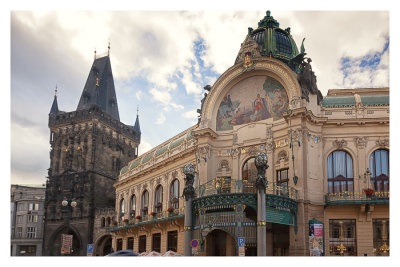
383	142
339	144
361	142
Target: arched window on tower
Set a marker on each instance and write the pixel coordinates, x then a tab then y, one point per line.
132	206
174	194
158	199
379	168
145	203
121	209
340	172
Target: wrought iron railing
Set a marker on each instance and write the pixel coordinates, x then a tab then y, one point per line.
151	218
344	197
225	185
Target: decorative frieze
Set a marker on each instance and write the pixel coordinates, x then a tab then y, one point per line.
383	142
361	142
339	144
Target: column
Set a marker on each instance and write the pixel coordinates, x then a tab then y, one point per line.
261	184
188	192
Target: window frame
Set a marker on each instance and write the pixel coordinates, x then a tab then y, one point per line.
344	184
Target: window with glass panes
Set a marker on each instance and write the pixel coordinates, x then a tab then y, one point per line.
282	181
31	232
156	244
133	206
130	243
249	175
19	232
158	199
119	244
379	168
381	236
340	172
145	203
174	194
172	241
342	237
121	209
32	218
142	243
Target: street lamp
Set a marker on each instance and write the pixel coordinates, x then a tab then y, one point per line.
69	204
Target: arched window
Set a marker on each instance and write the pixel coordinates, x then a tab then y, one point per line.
132	206
174	194
121	208
158	199
108	221
249	171
340	172
145	203
103	222
379	167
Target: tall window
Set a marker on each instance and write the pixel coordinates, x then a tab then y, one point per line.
172	242
381	237
282	181
132	206
158	199
156	244
19	232
32	218
249	175
119	244
122	208
142	243
31	232
33	206
379	167
145	203
174	194
340	172
130	243
342	237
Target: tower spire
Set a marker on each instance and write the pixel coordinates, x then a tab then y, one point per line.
136	127
54	106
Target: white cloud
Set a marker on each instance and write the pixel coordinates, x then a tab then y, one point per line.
161	119
144	146
190	114
139	95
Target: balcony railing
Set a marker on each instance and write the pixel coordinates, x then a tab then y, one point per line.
140	220
356	198
224	185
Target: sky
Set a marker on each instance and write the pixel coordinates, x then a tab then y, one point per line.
161	60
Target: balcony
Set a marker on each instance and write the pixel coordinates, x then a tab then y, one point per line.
225	185
143	220
347	198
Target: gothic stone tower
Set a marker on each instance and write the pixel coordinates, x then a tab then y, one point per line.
88	148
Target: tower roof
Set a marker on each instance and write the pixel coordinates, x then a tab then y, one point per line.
272	40
54	107
99	88
136	127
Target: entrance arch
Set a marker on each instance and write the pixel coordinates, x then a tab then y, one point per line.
103	246
220	243
55	242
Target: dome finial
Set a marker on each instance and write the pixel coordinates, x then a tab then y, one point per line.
94	53
108	47
55	91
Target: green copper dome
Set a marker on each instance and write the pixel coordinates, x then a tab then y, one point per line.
272	40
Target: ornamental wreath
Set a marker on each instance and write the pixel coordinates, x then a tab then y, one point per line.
138	217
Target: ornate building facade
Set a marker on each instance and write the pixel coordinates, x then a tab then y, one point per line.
89	146
327	181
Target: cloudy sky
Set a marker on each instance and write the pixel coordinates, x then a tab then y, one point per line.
161	60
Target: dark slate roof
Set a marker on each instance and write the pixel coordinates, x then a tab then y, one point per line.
99	88
136	127
54	107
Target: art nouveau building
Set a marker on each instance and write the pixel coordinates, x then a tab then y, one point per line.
328	157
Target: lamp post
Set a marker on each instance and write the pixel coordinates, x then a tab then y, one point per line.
69	204
188	193
261	163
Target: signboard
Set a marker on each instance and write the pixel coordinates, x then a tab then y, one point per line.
316	238
66	244
194	250
279	216
241	242
194	243
89	249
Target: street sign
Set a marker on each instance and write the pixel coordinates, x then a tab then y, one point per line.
89	249
194	251
194	243
242	254
241	241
